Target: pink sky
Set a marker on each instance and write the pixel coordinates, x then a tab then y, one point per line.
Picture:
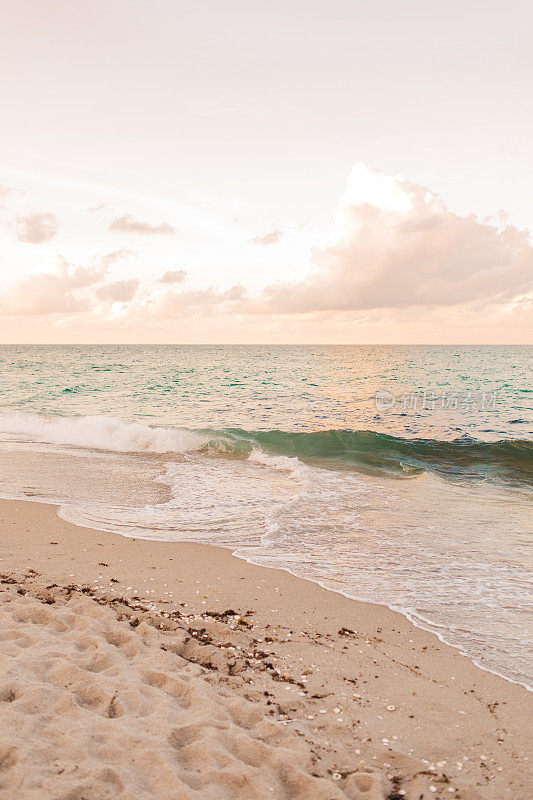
252	172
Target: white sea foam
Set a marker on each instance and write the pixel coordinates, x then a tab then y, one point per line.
283	463
102	433
430	549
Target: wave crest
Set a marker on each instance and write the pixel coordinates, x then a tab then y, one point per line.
102	433
507	461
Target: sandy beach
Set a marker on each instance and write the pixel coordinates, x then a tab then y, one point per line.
137	669
266	420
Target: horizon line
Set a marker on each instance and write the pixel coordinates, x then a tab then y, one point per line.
266	344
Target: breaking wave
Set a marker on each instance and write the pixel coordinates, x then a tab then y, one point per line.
509	460
101	433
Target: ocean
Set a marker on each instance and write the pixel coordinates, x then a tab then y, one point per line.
402	475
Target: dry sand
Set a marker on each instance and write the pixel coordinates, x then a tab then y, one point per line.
133	669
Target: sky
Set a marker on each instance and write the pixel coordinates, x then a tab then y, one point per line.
328	171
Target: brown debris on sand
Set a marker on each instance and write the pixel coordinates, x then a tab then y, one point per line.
93	707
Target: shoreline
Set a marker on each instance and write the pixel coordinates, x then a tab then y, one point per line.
416	708
417	622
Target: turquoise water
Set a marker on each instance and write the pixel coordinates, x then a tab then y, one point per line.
399	474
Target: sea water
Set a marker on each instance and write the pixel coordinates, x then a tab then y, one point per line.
396	474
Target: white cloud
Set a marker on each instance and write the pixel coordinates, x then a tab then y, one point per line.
117	255
118	291
397	261
52	293
5	191
196	302
173	276
37	228
128	224
273	237
396	244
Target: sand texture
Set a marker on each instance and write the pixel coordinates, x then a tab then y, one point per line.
93	708
243	683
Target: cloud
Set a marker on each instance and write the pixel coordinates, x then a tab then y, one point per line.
267	238
128	224
398	265
118	291
197	302
52	293
116	255
71	289
5	191
36	228
397	245
173	276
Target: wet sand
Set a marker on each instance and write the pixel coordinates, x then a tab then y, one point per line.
134	669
